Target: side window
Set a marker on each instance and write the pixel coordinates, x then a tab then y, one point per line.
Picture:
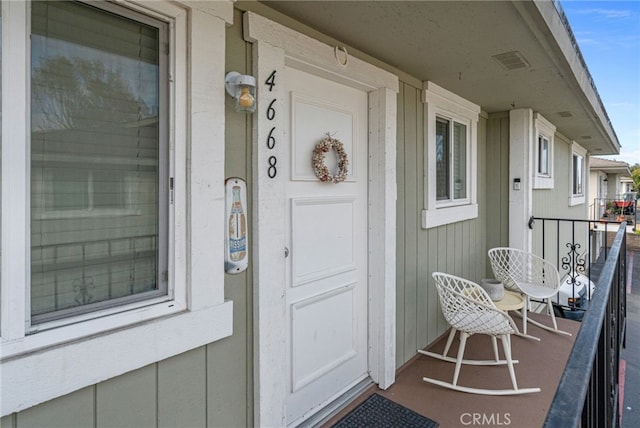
450	157
98	156
577	168
543	176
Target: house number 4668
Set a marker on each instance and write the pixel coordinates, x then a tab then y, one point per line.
271	139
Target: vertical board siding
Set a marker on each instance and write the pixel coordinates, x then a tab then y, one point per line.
554	203
72	410
128	401
497	198
550	202
182	390
8	421
496	193
458	248
229	369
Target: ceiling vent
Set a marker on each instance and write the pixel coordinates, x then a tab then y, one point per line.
511	60
586	137
565	114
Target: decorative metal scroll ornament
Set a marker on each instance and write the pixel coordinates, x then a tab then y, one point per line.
317	160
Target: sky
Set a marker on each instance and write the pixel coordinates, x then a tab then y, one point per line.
608	33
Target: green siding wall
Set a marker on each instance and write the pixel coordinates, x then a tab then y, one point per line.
551	202
554	203
168	394
497	173
458	248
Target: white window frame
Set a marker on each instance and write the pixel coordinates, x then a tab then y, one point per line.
577	199
440	102
543	129
55	358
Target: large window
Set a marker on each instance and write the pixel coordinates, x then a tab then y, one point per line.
104	252
98	159
451	147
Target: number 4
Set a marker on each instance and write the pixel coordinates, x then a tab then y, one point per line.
271	80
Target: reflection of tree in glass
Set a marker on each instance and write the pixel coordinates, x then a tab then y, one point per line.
79	93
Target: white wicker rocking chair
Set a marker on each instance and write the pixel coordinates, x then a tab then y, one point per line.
530	275
469	310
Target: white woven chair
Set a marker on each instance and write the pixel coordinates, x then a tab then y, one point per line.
530	275
469	310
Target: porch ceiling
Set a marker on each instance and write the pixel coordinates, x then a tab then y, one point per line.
453	45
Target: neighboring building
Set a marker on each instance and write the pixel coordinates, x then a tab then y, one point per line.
626	184
459	122
606	183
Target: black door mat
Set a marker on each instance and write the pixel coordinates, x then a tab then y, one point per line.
380	412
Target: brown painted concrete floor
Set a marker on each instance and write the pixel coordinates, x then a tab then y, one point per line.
540	365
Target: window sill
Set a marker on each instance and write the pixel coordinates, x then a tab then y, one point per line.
576	200
543	182
442	216
33	373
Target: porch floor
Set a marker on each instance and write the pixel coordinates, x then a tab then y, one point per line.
540	365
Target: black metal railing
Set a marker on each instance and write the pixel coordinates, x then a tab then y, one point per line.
578	248
587	395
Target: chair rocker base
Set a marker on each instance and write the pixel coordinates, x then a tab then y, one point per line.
481	391
548	328
465	361
542	326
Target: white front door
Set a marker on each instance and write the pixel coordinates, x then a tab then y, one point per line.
324	317
326	238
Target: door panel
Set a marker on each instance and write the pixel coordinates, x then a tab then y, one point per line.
311	117
323	236
320	347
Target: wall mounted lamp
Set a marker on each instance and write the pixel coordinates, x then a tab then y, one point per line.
242	88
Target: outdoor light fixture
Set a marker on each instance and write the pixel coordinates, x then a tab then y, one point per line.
243	90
